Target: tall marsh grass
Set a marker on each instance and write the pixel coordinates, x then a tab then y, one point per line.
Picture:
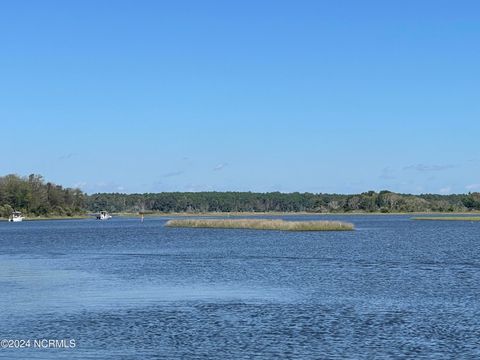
262	224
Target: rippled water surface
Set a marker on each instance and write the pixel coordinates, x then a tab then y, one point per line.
394	288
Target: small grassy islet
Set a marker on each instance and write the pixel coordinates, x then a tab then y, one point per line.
262	224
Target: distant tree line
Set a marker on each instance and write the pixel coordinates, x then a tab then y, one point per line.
32	195
383	201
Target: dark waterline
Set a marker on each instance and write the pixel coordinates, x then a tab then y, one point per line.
394	288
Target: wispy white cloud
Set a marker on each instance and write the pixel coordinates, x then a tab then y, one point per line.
197	187
80	184
445	190
472	187
428	168
387	174
101	186
220	167
67	156
173	173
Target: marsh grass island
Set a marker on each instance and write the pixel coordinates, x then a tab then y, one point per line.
262	224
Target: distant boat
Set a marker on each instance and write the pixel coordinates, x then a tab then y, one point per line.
16	217
103	215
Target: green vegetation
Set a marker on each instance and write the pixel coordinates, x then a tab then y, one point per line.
448	218
34	197
243	202
262	224
37	198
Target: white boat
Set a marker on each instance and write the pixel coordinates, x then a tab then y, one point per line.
16	217
103	215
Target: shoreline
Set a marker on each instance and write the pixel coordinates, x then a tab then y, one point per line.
53	217
437	215
447	218
300	213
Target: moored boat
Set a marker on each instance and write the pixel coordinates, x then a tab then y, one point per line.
104	215
16	217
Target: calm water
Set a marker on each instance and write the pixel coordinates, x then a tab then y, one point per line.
395	288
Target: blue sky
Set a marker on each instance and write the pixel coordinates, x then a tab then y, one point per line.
319	96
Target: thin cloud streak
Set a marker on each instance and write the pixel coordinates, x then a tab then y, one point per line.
220	167
428	168
67	156
387	174
174	173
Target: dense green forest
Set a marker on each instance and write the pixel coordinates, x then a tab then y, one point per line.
371	201
33	196
384	201
36	197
